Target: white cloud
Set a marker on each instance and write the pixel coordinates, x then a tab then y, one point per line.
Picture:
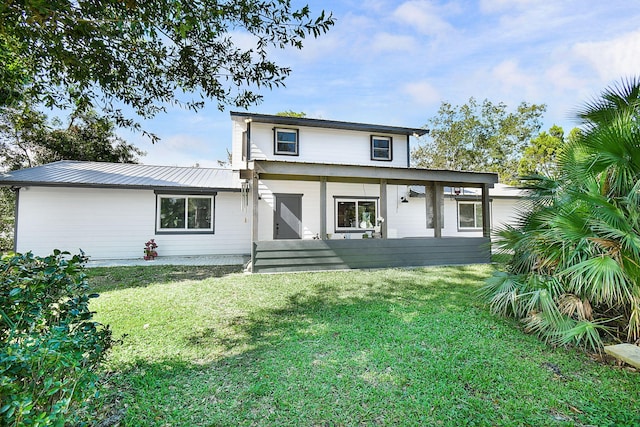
422	93
424	17
489	6
392	42
562	77
612	59
510	76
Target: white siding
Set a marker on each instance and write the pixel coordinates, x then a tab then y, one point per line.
406	219
504	211
237	131
320	145
115	224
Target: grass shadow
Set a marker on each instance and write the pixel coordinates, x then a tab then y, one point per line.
103	279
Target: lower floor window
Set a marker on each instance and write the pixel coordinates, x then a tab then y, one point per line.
185	213
469	215
358	214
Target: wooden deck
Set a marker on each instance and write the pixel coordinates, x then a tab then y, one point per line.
309	255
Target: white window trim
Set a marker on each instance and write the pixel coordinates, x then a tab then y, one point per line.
275	141
476	205
185	230
338	199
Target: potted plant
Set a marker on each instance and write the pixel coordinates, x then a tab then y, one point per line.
150	252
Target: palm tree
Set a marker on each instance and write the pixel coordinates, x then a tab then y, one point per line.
574	269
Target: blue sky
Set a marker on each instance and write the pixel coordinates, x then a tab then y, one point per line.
394	62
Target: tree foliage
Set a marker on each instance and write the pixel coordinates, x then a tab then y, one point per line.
28	139
291	113
482	137
539	158
148	54
574	269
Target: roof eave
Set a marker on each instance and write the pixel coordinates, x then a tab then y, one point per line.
314	171
329	124
175	189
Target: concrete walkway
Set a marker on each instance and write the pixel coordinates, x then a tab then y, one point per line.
178	260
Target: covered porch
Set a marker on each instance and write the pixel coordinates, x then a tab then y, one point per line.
323	251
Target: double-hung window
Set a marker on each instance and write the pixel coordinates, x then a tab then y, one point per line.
178	213
469	215
355	214
381	148
286	141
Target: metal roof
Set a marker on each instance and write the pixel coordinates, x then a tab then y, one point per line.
331	124
69	173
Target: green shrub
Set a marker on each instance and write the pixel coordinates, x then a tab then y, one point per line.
50	348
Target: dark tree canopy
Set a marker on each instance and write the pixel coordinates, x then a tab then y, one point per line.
480	137
147	54
28	139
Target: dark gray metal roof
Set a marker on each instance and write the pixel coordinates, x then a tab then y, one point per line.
67	173
332	124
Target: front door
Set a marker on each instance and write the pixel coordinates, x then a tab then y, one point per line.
287	220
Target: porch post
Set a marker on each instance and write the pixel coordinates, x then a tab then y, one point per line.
486	214
437	201
254	218
323	208
383	207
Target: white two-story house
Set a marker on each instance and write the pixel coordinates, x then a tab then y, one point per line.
300	194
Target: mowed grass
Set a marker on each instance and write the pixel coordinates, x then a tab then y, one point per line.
387	347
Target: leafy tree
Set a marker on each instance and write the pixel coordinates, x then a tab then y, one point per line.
148	54
28	139
574	271
539	158
291	113
482	137
7	218
13	74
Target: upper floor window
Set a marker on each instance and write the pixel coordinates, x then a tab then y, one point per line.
185	213
286	141
381	148
469	215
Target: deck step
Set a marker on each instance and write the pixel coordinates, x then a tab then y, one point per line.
626	352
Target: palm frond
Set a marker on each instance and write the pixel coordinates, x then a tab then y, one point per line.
600	279
573	306
633	331
619	97
501	290
540	298
585	333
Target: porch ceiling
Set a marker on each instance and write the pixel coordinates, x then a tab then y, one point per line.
268	169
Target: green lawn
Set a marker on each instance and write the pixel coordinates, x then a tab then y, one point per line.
215	347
